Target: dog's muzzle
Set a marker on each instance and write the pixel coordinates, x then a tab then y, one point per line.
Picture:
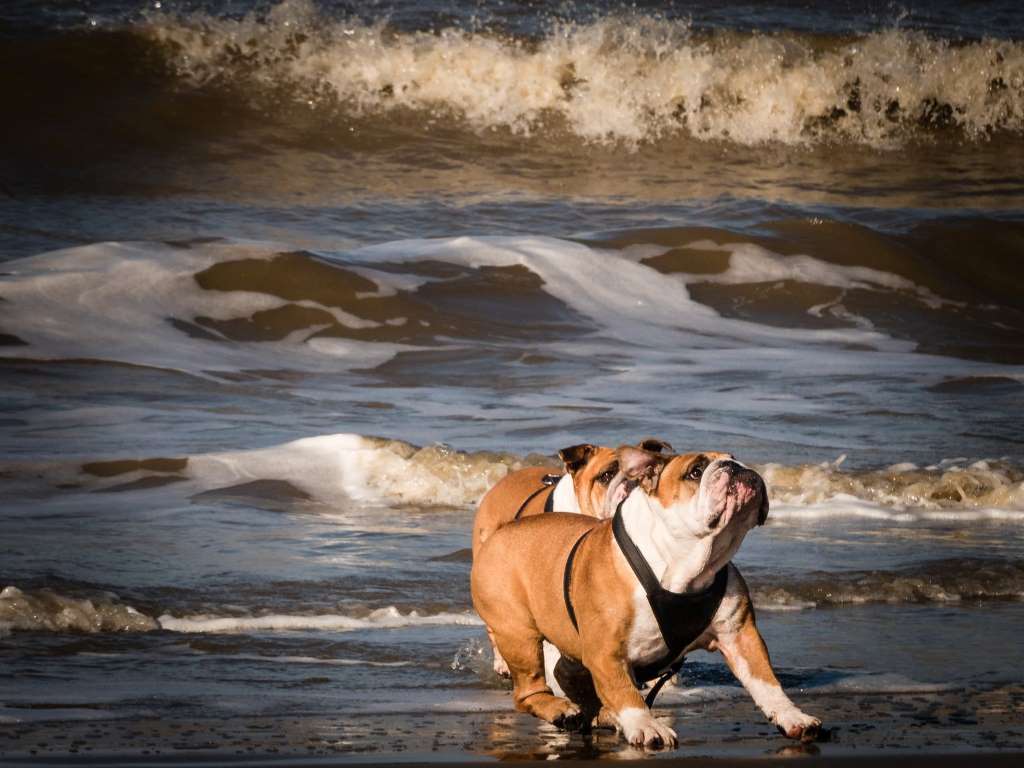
746	487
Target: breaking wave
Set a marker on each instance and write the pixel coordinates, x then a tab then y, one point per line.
382	618
949	484
45	610
619	79
397	472
329	470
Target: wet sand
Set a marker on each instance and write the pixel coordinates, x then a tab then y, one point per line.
985	727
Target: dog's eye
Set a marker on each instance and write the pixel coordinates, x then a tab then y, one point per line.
606	477
697	470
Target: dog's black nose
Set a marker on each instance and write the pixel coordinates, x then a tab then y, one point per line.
740	473
733	467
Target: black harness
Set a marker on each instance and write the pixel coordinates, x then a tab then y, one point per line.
548	483
681	617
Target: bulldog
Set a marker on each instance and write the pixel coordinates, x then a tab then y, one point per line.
625	599
582	488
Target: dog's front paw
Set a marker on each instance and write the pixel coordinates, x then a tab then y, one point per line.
642	730
797	725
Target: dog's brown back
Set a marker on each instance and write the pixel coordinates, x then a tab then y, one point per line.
500	504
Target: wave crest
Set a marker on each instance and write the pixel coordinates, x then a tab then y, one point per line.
950	484
46	610
626	79
336	469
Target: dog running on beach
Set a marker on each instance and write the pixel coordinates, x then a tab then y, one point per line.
626	598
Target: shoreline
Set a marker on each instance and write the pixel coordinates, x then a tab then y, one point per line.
938	760
938	728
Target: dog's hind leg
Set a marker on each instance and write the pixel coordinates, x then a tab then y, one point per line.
523	651
576	681
500	665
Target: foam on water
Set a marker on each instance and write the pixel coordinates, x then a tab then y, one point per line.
146	304
369	470
637	305
752	263
45	610
617	79
118	301
949	490
328	471
944	581
393	471
382	618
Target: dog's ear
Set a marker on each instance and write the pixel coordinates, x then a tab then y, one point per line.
575	457
762	513
655	445
641	466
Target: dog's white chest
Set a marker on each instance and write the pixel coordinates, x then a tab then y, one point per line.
564	496
645	644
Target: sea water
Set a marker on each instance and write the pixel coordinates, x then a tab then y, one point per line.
286	287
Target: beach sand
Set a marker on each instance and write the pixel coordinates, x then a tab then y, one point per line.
933	728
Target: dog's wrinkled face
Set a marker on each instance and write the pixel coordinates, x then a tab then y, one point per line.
597	472
710	494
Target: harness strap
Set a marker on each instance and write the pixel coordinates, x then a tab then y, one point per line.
682	616
567	579
668	675
548	483
637	562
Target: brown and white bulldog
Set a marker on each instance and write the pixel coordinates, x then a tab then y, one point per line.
588	471
687	528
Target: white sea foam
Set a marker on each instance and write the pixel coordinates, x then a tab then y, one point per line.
752	263
349	466
325	473
45	610
851	507
632	306
49	611
334	469
118	301
382	618
950	490
115	301
617	79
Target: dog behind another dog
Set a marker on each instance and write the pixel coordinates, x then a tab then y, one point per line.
596	589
